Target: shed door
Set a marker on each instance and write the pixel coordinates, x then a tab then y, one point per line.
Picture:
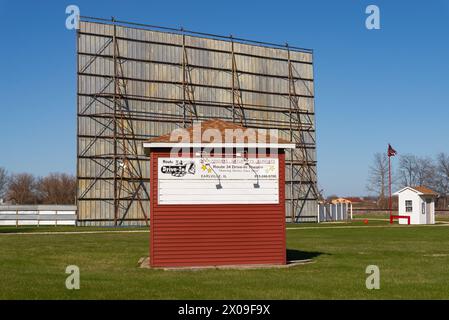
428	211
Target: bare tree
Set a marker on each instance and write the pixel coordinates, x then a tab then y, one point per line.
57	188
416	171
426	172
22	189
378	177
442	178
443	173
3	182
407	170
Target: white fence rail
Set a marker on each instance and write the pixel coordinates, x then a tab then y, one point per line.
37	215
55	215
334	212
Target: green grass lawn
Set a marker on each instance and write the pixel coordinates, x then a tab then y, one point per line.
413	262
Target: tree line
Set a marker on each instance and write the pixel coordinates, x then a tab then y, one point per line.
25	188
410	170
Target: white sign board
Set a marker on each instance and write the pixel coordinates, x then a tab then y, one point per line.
218	181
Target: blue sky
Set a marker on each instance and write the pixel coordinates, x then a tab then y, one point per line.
372	87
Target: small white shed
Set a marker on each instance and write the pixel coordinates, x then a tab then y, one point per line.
418	203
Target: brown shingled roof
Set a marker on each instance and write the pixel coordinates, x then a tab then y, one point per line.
425	190
222	126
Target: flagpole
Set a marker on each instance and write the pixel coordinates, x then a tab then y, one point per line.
389	188
391	153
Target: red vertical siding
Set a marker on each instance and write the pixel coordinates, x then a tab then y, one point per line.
199	235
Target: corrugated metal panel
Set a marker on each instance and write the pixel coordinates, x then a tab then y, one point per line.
195	235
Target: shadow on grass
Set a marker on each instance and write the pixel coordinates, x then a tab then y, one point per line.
61	228
4	229
293	254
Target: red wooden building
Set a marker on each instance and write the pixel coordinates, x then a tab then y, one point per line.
217	196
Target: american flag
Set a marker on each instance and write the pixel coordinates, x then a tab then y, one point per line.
391	151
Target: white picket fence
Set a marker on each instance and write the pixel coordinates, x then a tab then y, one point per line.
37	215
334	212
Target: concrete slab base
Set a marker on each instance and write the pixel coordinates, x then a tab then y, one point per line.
144	262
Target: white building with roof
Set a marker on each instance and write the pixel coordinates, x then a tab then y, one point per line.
418	203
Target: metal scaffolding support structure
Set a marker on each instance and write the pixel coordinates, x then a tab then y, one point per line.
138	81
188	90
238	111
301	124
